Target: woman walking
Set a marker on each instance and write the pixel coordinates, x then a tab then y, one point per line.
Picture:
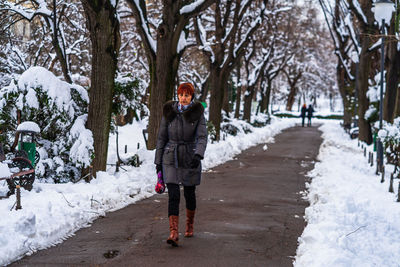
181	143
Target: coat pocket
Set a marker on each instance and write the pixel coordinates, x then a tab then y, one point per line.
189	153
169	156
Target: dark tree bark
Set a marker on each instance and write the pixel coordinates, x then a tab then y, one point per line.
104	32
365	133
397	112
226	101
291	98
265	95
218	81
238	93
239	90
392	84
364	69
346	89
164	58
248	99
204	90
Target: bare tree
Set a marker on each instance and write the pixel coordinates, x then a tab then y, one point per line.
365	19
219	44
164	53
346	42
258	60
54	27
393	73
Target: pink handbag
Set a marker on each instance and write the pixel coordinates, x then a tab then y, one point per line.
160	186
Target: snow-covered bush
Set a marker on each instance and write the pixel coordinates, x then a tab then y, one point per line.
261	119
10	63
212	132
60	110
232	126
127	99
390	136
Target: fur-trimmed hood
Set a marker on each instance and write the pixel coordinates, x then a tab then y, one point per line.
192	114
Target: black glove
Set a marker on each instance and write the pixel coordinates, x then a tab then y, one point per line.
158	168
195	161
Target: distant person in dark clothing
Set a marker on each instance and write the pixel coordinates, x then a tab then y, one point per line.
310	112
303	114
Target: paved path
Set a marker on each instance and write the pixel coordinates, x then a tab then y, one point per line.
250	213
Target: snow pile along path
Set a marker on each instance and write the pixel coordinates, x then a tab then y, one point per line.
352	219
52	212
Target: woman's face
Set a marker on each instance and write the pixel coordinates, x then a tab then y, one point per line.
184	98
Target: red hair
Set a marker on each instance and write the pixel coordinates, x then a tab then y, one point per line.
186	88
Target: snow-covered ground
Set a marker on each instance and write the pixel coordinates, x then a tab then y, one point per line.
53	212
352	220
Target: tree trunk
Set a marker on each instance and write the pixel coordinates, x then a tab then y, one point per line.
345	91
217	83
248	99
393	72
204	91
265	97
104	32
238	92
163	82
227	96
364	70
397	112
365	133
291	98
238	101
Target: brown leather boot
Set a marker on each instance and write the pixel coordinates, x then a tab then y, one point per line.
173	228
189	223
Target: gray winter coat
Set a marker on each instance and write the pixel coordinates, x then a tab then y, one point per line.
180	137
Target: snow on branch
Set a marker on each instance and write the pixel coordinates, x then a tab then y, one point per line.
28	13
375	45
351	77
359	11
202	36
191	7
143	24
249	32
353	34
279	10
255	74
182	42
243	6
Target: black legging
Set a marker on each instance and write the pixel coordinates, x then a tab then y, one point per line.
175	196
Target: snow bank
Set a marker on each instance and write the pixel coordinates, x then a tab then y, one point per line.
352	219
4	170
